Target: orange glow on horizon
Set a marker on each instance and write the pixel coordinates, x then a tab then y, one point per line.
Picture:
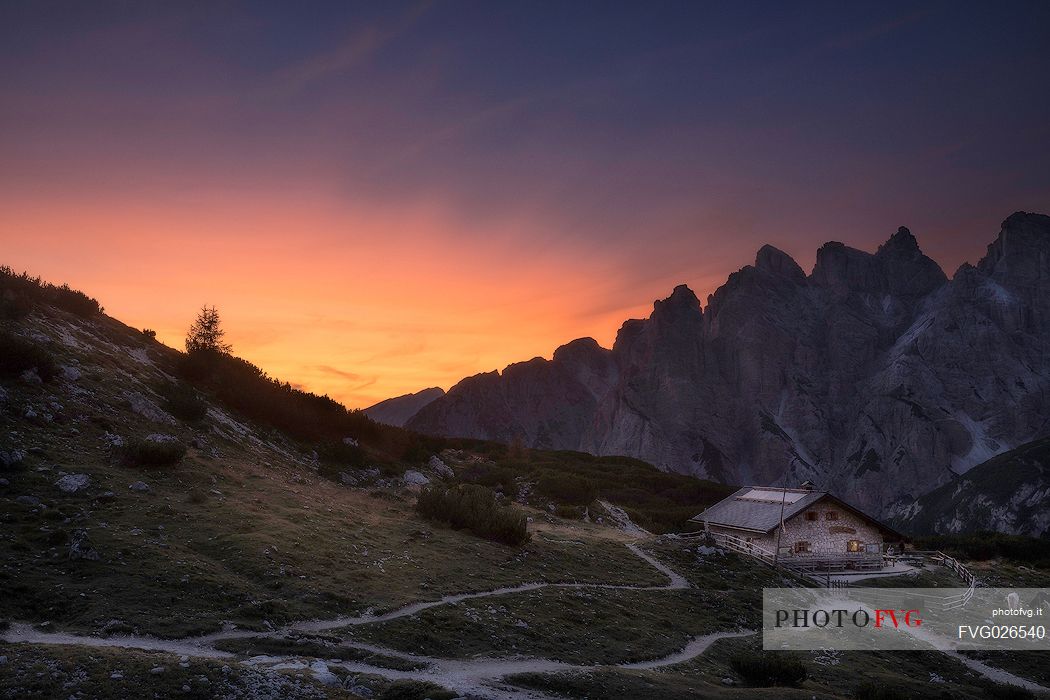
361	303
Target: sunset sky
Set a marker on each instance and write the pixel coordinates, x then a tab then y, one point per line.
381	197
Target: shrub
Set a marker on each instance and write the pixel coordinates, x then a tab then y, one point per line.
14	307
149	333
474	508
342	453
980	546
567	488
18	354
184	402
153	453
769	669
241	386
19	292
494	476
1006	691
869	690
415	690
74	301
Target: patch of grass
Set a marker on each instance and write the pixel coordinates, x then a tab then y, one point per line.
153	453
39	671
474	508
769	670
584	625
415	690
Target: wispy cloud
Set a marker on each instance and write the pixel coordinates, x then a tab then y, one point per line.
354	51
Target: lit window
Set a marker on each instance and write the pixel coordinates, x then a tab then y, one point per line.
854	546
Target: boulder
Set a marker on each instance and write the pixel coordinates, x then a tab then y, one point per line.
414	478
439	467
140	486
72	483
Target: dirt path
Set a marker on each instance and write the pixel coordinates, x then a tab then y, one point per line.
475	677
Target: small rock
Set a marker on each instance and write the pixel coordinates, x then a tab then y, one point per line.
3	660
347	479
113	440
80	547
140	486
71	483
728	681
11	458
117	676
4	482
323	675
160	437
107	496
361	691
28	500
352	442
70	373
157	670
414	478
437	466
30	413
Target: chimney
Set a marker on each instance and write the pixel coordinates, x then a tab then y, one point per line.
806	485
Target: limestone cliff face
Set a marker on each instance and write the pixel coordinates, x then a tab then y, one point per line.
875	375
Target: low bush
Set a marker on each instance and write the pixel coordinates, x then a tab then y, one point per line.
20	291
474	508
1007	691
415	690
494	476
981	546
153	453
184	402
73	301
567	488
18	354
342	453
242	387
869	690
769	669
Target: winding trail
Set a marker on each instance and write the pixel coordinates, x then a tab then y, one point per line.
473	677
477	678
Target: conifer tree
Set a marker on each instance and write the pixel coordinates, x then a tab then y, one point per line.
206	333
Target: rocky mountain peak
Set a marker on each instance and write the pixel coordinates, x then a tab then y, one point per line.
902	242
1021	252
682	304
581	349
845	269
777	262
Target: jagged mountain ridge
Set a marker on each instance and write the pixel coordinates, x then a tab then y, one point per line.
398	410
874	375
1008	494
